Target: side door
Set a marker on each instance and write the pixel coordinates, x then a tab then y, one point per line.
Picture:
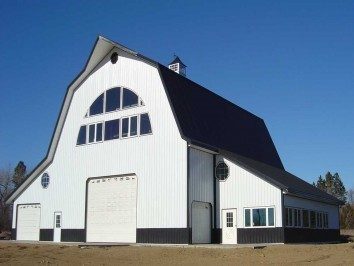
57	226
229	226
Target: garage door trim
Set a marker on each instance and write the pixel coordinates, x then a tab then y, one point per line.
24	204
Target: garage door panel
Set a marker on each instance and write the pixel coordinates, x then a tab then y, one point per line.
111	212
28	222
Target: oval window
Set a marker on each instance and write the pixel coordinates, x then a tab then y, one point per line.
222	171
45	180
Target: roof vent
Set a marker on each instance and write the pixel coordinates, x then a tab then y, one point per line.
177	66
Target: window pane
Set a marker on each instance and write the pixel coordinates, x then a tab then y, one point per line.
133	126
290	217
271	216
112	99
312	219
259	217
91	133
305	218
97	106
81	138
111	129
129	98
247	217
99	132
125	127
145	127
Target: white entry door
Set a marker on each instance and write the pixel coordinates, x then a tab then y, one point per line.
57	227
229	226
111	209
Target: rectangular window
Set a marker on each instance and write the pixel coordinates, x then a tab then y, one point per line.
289	217
270	216
229	219
297	218
259	217
125	127
312	219
305	218
81	139
145	126
133	126
92	133
111	129
325	220
319	220
247	217
99	132
57	221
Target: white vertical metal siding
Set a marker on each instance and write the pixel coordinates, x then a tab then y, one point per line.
332	210
243	189
159	160
201	182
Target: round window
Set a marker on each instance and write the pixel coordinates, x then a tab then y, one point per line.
114	58
45	180
222	171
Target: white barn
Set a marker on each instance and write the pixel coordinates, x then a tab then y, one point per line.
141	154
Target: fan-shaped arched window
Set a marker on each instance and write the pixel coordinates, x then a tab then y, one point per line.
114	99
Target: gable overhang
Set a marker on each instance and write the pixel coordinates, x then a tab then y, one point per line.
101	48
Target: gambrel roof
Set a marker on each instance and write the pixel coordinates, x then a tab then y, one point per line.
204	119
207	119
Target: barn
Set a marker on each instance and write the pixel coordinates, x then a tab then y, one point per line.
142	154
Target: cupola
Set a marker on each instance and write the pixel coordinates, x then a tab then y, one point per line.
177	66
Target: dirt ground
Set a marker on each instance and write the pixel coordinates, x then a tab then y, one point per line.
33	254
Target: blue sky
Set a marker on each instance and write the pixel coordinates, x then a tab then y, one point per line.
289	62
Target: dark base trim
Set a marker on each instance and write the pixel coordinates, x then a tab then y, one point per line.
162	235
303	235
216	235
260	235
13	233
73	235
46	234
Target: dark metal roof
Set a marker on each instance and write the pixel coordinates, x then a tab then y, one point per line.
283	179
208	119
177	60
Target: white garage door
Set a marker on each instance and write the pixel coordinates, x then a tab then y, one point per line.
111	209
201	222
28	220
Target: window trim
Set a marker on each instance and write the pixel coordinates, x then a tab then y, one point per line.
317	214
228	172
48	176
251	217
122	88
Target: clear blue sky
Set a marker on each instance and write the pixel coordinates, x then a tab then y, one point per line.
289	62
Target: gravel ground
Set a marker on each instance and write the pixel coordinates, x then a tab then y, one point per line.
12	253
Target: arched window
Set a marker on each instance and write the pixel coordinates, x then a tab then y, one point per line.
114	99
